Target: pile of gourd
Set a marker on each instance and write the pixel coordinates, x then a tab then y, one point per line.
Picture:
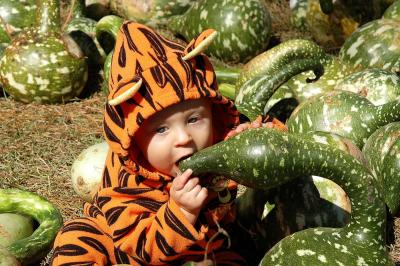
332	178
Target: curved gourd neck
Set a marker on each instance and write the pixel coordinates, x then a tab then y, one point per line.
48	16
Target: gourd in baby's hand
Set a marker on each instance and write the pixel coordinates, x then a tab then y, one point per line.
266	158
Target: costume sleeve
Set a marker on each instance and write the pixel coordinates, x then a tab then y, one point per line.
146	224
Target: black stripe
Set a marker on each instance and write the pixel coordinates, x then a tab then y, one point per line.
113	214
69	250
122	56
173	222
163	246
81	226
132	191
147	203
141	246
96	244
131	43
116	114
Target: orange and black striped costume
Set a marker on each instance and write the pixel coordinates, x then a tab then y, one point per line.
132	219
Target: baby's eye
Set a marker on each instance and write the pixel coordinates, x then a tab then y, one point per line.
193	119
161	130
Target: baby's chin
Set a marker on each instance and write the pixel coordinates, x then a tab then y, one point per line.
175	171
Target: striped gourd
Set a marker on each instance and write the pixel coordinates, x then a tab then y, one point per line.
266	158
41	64
263	75
344	113
35	246
243	27
382	151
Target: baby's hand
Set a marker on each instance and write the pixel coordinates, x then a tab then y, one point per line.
274	123
188	194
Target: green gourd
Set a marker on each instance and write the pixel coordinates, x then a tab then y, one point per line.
266	158
377	85
41	64
154	12
382	152
7	259
374	44
344	113
393	11
83	30
14	227
259	80
334	72
244	27
15	15
35	246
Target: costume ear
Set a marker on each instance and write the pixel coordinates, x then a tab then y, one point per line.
199	44
124	92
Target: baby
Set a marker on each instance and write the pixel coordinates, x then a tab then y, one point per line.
163	107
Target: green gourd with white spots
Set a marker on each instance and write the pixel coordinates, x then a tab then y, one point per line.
244	27
393	11
42	64
374	44
35	246
382	151
263	75
377	85
155	12
334	72
344	113
266	158
16	15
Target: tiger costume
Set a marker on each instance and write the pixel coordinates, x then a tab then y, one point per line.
132	219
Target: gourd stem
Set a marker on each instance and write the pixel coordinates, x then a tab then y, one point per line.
48	16
388	113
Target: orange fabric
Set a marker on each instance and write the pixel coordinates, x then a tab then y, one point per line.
132	218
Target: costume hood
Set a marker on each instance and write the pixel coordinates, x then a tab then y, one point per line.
149	73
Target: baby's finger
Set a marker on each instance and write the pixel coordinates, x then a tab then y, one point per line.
181	180
191	183
202	194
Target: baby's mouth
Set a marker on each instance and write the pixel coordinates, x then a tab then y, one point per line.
182	158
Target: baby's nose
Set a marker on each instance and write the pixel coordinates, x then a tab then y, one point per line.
183	137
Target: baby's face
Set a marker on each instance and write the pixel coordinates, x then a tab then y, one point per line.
176	133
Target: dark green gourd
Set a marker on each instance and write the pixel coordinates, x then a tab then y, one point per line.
41	64
261	77
83	30
344	113
243	27
34	247
266	158
382	151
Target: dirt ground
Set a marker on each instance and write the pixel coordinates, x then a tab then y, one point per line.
39	143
